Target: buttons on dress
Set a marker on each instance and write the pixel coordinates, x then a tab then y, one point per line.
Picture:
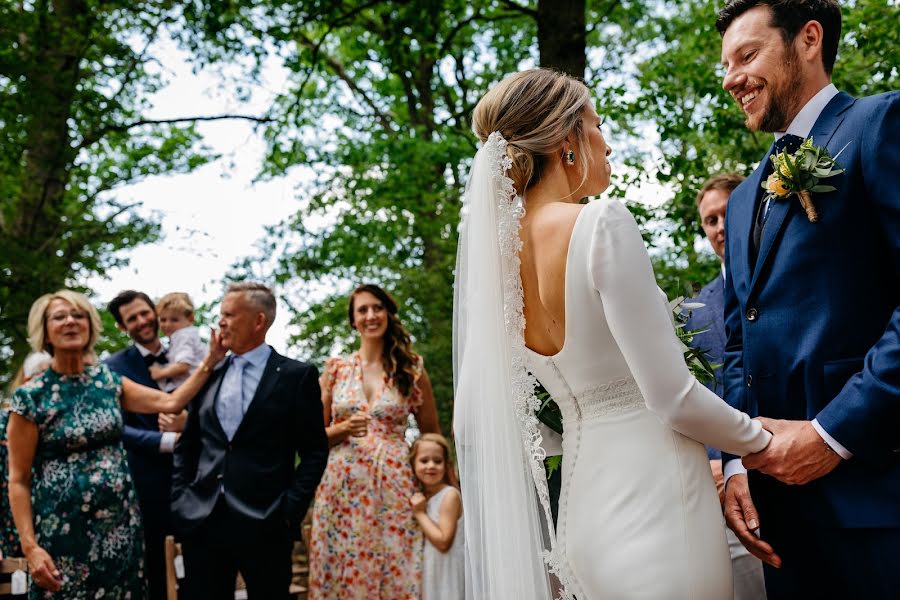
749	380
752	314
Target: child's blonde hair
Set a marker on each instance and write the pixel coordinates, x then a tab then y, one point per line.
450	477
176	301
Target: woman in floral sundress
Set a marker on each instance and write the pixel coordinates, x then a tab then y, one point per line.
365	540
71	493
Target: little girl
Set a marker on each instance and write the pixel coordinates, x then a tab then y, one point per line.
439	513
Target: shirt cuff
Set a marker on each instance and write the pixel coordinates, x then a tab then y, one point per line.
167	442
733	467
832	443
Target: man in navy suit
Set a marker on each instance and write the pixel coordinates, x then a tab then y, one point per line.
812	315
712	200
149	449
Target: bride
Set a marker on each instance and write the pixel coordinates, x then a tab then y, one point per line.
551	289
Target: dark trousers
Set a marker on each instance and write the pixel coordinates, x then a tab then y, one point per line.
226	543
155	558
824	563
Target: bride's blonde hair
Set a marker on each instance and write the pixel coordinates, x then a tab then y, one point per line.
535	111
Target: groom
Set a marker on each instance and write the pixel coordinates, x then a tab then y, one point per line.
813	315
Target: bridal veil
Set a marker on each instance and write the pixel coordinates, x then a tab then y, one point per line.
508	526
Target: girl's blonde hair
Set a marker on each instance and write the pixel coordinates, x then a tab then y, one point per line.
535	111
450	477
37	320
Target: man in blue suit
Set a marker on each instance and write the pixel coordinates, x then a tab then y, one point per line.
712	200
812	315
149	449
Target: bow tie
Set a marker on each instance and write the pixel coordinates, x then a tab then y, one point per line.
160	358
788	142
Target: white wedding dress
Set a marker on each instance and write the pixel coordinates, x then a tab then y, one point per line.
639	516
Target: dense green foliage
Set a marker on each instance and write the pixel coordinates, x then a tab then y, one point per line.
380	105
74	82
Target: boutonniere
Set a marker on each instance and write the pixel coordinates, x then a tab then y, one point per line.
800	173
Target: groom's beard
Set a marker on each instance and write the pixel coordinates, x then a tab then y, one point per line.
784	97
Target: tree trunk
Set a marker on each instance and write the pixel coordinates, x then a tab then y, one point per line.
561	35
50	86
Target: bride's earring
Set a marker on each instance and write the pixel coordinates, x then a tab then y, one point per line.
570	157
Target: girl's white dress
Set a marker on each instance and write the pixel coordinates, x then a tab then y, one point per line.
444	575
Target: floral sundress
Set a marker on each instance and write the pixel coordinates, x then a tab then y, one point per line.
365	542
85	509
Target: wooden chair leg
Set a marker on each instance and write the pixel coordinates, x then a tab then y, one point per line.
171	580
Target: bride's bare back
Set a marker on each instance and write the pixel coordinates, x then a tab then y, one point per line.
546	232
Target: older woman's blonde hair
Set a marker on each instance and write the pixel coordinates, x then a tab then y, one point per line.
535	111
37	320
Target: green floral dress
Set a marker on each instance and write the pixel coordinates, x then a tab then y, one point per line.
85	508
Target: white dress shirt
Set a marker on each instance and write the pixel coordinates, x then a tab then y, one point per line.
168	439
801	126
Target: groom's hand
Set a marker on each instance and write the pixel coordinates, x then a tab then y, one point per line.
796	455
742	518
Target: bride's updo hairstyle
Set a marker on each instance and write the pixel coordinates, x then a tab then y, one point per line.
535	111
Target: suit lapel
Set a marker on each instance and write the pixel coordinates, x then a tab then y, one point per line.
267	384
209	400
746	213
782	210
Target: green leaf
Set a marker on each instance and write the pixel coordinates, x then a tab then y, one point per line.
821	189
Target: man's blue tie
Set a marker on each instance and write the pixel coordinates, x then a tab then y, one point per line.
787	142
230	406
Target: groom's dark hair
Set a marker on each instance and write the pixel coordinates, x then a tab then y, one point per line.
789	16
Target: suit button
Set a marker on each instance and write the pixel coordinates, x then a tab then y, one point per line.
749	380
219	477
752	314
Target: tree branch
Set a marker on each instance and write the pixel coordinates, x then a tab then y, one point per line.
515	6
341	72
98	135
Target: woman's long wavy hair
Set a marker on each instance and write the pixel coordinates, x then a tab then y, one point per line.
398	356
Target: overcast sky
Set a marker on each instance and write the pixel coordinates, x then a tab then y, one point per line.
213	216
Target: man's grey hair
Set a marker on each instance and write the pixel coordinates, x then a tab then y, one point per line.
257	294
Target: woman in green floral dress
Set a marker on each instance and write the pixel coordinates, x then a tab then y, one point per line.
77	514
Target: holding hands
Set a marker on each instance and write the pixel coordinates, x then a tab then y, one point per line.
796	455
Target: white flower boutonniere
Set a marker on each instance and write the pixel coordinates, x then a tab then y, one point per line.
799	174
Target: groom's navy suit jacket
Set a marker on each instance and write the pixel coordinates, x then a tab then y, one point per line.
813	325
